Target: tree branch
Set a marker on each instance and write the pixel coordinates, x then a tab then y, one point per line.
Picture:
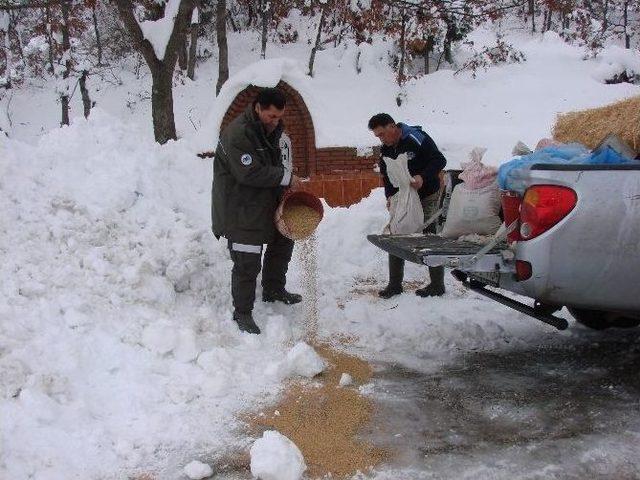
125	9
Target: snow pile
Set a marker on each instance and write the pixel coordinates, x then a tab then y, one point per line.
197	470
615	61
275	457
303	360
117	352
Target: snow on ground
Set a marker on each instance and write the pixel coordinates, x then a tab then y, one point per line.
117	352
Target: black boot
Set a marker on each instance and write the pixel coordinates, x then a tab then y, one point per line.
436	287
396	274
245	322
283	296
390	291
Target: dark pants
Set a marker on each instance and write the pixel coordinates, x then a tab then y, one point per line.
247	265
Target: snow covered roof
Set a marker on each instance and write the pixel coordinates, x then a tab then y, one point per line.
264	73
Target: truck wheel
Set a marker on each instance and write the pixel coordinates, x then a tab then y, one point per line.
599	320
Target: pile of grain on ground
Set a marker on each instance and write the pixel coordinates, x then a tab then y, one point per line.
324	420
301	220
309	261
590	127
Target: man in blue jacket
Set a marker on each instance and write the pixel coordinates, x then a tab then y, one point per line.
425	164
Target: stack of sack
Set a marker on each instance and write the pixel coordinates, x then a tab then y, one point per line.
475	203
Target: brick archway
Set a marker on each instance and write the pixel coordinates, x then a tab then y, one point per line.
336	174
298	125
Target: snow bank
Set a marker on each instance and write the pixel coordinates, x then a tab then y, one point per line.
615	60
275	457
117	352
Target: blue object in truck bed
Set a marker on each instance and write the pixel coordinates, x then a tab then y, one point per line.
511	175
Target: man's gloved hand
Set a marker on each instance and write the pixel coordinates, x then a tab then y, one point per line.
417	182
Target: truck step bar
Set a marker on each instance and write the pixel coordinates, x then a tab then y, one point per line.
478	287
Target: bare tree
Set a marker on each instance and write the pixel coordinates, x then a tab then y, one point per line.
97	32
161	68
403	48
316	45
265	13
65	7
193	44
86	100
223	52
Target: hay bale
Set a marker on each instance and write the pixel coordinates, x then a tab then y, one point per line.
590	127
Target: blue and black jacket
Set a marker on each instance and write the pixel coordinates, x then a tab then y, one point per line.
424	159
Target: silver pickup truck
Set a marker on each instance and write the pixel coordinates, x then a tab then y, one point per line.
574	241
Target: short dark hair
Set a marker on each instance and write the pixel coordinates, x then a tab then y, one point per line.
380	120
270	96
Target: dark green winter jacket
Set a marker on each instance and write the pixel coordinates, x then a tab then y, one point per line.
248	179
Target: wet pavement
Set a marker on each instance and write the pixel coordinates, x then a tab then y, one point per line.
567	411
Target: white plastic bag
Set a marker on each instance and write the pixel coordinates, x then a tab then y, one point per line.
473	211
405	207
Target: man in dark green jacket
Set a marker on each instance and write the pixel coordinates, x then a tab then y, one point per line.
249	177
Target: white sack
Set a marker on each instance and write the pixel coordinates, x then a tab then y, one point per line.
473	211
405	207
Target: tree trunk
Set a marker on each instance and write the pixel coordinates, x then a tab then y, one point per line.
532	14
605	16
97	32
223	51
316	45
7	52
265	27
66	48
47	11
86	100
164	126
193	50
403	49
625	16
427	51
183	59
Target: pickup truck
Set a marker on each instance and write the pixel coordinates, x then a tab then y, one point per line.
573	241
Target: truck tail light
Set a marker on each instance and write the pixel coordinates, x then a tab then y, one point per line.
511	211
523	270
543	206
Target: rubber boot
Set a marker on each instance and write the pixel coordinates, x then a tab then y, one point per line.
245	322
396	275
436	287
283	296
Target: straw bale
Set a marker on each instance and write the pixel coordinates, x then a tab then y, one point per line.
591	126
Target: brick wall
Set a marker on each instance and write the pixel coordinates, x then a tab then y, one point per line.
336	174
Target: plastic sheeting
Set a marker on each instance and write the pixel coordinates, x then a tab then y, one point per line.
513	174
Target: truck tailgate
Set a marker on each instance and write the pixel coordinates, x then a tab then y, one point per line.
417	247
